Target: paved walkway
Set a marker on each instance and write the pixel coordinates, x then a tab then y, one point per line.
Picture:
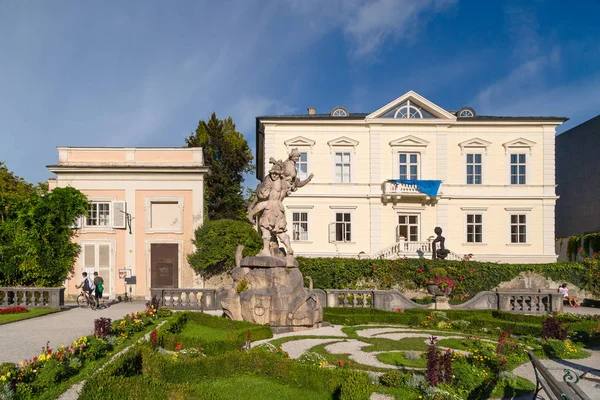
25	339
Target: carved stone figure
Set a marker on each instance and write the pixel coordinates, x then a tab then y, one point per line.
269	288
442	252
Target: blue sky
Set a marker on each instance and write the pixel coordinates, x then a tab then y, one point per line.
142	73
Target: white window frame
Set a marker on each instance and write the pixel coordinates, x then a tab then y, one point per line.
474	213
168	199
111	280
298	173
85	228
510	225
350	164
466	164
509	155
294	223
97	204
408	163
335	222
418	225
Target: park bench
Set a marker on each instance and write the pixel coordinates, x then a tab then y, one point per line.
556	390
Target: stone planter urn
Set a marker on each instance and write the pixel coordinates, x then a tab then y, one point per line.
435	290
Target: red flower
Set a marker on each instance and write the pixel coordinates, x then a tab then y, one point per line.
427	280
49	351
448	267
178	347
248	336
420	271
472	269
580	249
394	263
374	267
460	279
341	363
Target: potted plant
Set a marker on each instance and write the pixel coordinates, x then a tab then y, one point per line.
432	286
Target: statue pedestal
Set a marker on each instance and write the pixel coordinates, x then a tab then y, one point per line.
270	291
440	303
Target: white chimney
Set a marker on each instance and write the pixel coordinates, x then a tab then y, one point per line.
311	110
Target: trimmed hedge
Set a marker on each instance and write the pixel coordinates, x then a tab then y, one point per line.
471	277
142	373
237	332
518	324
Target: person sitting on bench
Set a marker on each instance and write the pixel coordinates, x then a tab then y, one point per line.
565	292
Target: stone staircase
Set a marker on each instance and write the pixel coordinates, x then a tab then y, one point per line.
403	248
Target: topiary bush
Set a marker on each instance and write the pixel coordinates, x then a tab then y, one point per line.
216	243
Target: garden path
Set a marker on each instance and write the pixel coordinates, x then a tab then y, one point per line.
25	339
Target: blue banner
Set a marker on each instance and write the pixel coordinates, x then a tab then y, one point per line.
430	188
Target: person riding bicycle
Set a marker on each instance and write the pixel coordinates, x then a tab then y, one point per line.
86	286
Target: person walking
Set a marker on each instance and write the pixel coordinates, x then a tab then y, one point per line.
99	284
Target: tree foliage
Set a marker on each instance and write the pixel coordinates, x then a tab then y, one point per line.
216	243
10	184
35	235
228	157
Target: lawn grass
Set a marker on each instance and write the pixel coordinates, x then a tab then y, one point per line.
258	387
31	313
205	332
410	343
280	341
397	359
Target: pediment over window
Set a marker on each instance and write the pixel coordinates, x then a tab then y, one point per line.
474	143
343	141
519	143
299	141
411	106
409	140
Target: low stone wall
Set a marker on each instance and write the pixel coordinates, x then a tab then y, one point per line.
31	297
187	299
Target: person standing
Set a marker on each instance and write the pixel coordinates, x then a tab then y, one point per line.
99	284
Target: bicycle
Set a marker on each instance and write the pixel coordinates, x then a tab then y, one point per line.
84	300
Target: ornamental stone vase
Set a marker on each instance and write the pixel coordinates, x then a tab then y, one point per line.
435	290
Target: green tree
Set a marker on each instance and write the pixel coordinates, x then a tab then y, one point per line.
227	156
36	246
10	184
216	243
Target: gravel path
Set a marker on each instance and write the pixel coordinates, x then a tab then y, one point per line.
334	330
354	350
25	339
590	384
296	348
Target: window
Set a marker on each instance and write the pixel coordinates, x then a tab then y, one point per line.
302	166
517	169
409	165
408	109
98	214
474	228
342	167
300	226
343	227
339	112
164	214
408	227
466	113
474	169
518	228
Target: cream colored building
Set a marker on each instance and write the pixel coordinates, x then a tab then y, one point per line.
145	204
496	199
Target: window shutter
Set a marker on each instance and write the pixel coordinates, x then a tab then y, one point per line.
332	232
119	210
76	223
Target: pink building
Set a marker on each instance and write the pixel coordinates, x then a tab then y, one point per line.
145	204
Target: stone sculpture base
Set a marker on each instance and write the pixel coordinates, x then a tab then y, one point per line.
270	291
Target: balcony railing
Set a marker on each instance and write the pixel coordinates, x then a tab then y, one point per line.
394	189
411	249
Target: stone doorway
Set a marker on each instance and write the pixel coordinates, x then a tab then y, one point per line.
164	265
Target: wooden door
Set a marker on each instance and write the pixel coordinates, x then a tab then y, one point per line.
164	265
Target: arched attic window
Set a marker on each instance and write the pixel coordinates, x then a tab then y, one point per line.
408	109
339	112
466	112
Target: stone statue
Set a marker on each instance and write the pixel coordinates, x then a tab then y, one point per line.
269	288
276	186
442	252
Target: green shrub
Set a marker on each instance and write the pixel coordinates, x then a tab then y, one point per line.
394	378
438	272
216	243
356	387
471	277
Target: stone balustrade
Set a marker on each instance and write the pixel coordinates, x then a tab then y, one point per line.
187	299
32	297
529	301
350	298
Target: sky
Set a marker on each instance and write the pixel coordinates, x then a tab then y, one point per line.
143	73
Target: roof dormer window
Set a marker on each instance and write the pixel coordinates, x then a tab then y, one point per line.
466	112
339	112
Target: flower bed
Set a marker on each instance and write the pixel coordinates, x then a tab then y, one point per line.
13	310
35	378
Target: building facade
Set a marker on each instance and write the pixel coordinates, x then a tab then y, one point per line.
578	180
145	204
375	187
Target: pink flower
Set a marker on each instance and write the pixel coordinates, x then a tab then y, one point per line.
374	267
460	279
580	249
472	269
420	271
427	280
448	267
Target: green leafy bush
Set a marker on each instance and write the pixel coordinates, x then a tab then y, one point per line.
356	387
471	277
216	243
